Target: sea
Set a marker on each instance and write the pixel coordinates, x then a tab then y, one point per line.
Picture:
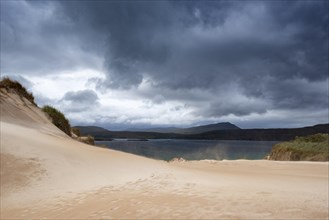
168	149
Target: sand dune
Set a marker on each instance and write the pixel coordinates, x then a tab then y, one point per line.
46	174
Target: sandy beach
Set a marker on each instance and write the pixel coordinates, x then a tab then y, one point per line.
47	175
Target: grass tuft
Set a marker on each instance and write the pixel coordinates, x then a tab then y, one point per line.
12	85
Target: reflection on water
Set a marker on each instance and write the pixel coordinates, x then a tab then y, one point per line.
193	149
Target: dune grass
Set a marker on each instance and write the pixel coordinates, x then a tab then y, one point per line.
58	119
14	86
312	148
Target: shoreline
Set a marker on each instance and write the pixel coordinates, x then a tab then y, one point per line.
171	149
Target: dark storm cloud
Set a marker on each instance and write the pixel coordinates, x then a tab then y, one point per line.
37	38
218	57
273	50
79	101
85	96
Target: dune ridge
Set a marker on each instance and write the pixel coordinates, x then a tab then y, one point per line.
46	174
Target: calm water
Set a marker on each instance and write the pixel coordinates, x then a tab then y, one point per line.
193	149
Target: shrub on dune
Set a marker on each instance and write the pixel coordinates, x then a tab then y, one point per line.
58	119
88	140
313	147
76	131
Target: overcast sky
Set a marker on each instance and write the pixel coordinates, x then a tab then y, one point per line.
127	64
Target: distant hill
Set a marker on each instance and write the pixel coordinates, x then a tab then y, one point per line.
191	130
206	128
159	130
91	129
273	134
279	134
103	134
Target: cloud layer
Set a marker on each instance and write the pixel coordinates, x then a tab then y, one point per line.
207	60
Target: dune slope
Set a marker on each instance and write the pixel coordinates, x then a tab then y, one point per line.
46	174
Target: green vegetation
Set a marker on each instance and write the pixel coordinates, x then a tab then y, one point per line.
88	140
58	119
84	139
76	131
316	138
12	85
62	123
313	148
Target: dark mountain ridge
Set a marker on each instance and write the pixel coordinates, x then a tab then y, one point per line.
103	134
279	134
272	134
191	130
207	128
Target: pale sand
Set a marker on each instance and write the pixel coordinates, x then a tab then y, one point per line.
45	174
